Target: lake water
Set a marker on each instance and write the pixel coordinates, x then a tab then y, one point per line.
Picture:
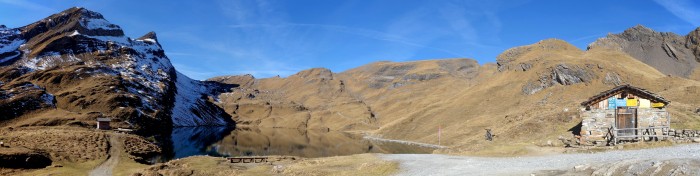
227	141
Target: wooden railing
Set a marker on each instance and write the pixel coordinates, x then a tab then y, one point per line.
639	133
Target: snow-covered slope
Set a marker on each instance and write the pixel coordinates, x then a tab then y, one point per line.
9	43
191	106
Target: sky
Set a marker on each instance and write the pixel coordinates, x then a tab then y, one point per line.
266	38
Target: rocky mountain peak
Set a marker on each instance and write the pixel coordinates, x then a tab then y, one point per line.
668	52
639	29
78	49
150	37
75	20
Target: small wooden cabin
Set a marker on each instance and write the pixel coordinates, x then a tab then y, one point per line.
624	113
103	123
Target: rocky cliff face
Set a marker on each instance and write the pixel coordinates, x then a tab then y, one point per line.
82	63
667	52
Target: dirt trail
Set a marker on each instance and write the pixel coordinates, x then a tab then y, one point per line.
677	159
115	149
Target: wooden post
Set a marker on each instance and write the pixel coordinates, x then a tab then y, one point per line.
439	134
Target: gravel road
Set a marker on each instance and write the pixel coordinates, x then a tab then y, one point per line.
115	147
681	160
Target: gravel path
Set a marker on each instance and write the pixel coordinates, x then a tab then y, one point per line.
435	164
105	169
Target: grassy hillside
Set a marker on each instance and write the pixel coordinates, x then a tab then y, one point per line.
530	96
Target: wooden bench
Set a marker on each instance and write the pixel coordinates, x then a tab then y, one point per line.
257	159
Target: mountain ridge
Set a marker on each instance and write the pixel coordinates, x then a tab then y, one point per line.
76	72
668	52
532	90
77	53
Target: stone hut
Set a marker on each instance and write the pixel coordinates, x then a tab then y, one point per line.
103	123
624	114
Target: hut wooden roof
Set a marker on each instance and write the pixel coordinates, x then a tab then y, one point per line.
104	119
643	93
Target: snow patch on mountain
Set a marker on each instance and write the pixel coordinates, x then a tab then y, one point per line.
9	40
75	32
11	46
189	99
48	60
93	23
121	40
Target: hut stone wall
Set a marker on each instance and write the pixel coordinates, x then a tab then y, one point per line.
596	122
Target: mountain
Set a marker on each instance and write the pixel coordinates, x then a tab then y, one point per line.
75	66
669	53
531	95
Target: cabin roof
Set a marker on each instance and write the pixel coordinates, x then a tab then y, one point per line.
104	119
625	88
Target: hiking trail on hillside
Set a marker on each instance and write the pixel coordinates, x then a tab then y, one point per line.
115	149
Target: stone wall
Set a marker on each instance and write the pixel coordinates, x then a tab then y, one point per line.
596	123
653	117
685	135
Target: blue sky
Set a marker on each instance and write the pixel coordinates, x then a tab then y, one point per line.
280	37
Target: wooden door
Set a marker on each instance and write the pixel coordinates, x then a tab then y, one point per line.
626	119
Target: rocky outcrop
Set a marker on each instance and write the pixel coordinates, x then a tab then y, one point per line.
667	52
505	60
566	75
461	68
612	78
561	74
244	81
692	41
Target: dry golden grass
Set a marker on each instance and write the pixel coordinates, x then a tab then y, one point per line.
72	144
646	145
66	168
74	150
195	165
411	100
362	164
127	166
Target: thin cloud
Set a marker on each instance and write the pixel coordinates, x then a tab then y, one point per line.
588	37
28	5
252	57
178	54
372	34
193	73
683	9
264	73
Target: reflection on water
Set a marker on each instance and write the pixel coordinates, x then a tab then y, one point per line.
189	141
225	141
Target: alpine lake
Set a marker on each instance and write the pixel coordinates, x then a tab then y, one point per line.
231	142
